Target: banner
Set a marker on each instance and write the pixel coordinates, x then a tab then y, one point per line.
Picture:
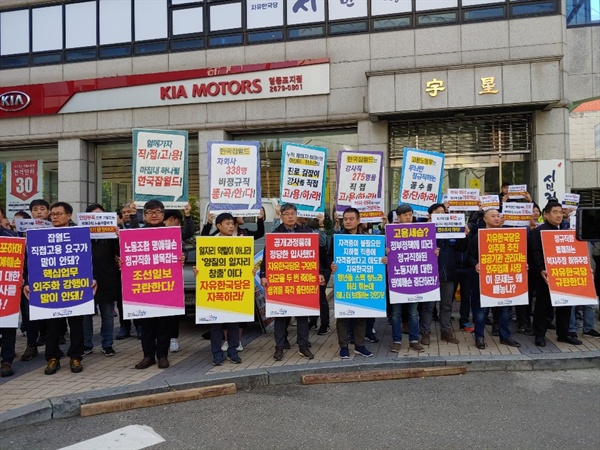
463	200
489	202
303	178
421	180
103	225
266	323
234	177
449	226
151	272
12	256
24	225
23	184
503	266
550	180
225	282
570	276
359	184
160	167
59	263
413	274
517	191
517	214
292	271
359	282
570	201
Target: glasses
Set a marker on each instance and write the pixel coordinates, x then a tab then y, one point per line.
156	212
288	214
57	214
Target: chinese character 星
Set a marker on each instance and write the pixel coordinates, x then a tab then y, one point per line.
434	86
487	86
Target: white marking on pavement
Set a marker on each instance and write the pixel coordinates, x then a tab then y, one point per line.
132	437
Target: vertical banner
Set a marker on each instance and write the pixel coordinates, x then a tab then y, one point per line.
359	184
59	263
422	175
570	276
517	214
151	272
303	178
225	283
12	255
160	167
413	274
359	282
266	323
23	184
292	271
103	225
234	178
463	200
550	180
503	266
449	226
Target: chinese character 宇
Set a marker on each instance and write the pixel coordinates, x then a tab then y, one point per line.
434	86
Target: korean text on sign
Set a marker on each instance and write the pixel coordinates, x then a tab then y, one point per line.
151	272
517	214
359	282
103	225
234	174
421	180
60	272
463	199
503	266
449	226
225	283
569	269
292	271
12	254
23	184
412	264
303	178
489	202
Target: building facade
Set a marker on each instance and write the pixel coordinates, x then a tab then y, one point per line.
493	84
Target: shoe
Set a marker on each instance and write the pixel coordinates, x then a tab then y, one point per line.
6	370
163	362
40	342
495	330
76	366
569	340
449	337
122	334
145	363
87	351
426	339
344	353
234	358
592	333
323	330
304	351
372	337
363	351
31	351
218	359
526	330
467	328
52	366
312	324
174	345
510	342
480	343
551	326
540	341
278	354
404	328
395	347
108	351
240	347
62	340
416	346
138	331
286	345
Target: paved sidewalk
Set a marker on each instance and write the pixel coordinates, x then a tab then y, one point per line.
193	361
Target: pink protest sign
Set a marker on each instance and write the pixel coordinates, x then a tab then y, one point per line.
152	272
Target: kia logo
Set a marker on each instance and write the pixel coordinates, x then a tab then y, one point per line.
14	101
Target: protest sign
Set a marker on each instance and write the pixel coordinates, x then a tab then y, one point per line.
517	191
103	225
23	184
292	271
225	283
59	262
303	178
359	282
421	183
489	202
151	272
463	200
517	214
359	184
570	276
12	255
449	226
503	266
234	177
160	167
570	201
266	323
24	225
412	264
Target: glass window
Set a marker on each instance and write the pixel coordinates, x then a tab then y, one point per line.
150	20
479	2
11	62
341	28
533	9
584	130
400	22
115	52
181	2
80	55
186	21
187	44
582	12
484	14
306	32
14	32
436	18
263	36
424	5
47	27
115	22
80	24
261	14
225	17
232	39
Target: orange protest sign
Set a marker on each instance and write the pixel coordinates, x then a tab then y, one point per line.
503	266
569	269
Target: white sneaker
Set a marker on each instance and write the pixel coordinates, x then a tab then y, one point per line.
174	347
240	348
225	346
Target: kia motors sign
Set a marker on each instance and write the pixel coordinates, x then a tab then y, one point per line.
23	184
14	101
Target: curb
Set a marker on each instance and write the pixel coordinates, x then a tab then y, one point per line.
70	405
